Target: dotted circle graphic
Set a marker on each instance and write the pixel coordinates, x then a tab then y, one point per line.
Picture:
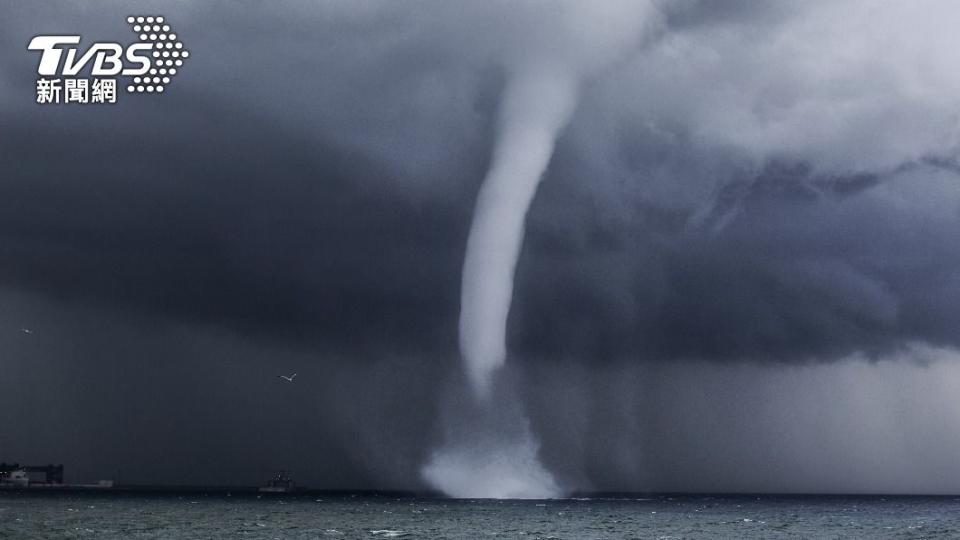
167	52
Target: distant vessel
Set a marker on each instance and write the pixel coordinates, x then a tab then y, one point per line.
16	475
281	483
17	478
41	477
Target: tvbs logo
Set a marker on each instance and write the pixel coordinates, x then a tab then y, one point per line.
151	63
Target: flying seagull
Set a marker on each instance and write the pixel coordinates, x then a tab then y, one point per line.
288	378
26	331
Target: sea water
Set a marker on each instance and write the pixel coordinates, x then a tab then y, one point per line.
174	516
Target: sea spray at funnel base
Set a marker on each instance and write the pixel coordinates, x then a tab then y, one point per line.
490	451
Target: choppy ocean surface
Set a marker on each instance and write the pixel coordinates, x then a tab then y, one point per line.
124	515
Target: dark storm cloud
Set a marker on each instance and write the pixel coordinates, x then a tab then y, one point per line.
757	184
796	273
208	208
258	230
291	199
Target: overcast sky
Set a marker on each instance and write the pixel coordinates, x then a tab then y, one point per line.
740	271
